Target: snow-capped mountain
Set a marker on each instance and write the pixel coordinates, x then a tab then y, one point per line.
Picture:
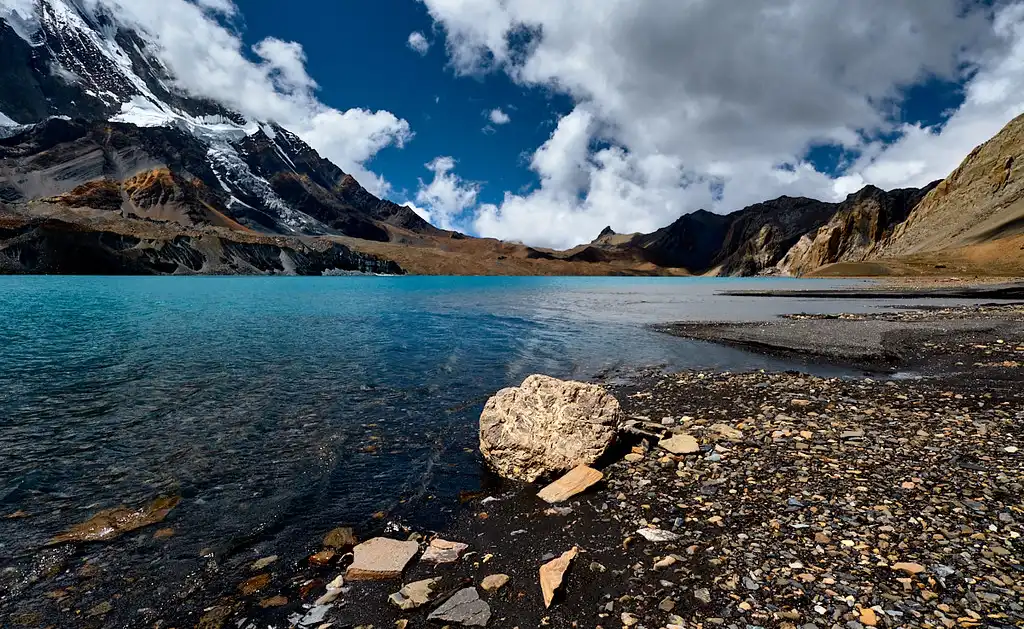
77	84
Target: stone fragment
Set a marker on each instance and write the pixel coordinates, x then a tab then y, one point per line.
547	426
658	535
443	551
494	582
274	601
414	595
380	558
341	537
255	584
575	482
727	432
909	568
628	620
868	617
464	608
552	574
680	444
703	595
260	564
322	558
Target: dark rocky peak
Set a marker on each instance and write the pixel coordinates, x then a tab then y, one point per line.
607	231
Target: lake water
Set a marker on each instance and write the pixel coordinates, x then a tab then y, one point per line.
279	408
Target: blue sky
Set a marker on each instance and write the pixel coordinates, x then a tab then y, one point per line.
447	113
626	113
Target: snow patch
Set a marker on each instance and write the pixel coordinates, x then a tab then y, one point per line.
24	19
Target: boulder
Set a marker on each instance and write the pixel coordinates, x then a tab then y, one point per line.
547	427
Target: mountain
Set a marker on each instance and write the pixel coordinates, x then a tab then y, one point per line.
90	121
107	166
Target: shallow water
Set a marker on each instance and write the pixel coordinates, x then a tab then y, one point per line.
279	408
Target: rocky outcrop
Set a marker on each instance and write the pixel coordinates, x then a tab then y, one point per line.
856	231
547	427
54	246
982	200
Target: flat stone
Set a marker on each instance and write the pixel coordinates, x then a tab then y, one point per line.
260	564
680	444
658	535
380	558
494	582
909	568
322	558
341	537
416	594
552	574
868	617
112	523
443	551
852	434
464	608
633	457
727	432
575	482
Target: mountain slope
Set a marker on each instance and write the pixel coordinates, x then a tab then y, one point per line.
90	120
982	200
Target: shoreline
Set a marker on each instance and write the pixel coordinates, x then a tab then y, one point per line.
806	493
807	503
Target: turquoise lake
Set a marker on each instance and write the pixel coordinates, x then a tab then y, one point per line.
280	408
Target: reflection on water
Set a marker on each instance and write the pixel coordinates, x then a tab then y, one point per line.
279	408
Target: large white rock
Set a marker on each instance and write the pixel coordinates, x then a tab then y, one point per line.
547	427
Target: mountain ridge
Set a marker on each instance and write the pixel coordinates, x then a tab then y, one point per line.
96	137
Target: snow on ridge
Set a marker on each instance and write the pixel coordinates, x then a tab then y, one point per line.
24	19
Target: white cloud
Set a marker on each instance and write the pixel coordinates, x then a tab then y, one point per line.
446	197
209	60
498	117
701	102
419	43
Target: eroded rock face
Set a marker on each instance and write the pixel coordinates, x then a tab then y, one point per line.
547	427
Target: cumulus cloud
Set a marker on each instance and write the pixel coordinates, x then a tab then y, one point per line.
446	197
498	117
419	43
209	60
700	103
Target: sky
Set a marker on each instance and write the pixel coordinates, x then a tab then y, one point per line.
544	121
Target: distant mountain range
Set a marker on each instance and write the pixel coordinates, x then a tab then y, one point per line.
105	167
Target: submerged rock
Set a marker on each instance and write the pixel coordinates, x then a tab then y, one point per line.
341	537
113	523
547	426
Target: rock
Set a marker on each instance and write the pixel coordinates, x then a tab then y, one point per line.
381	558
552	574
260	564
443	551
494	582
546	427
628	620
113	523
666	605
909	568
703	595
680	444
273	601
852	434
255	584
658	535
414	595
322	558
401	623
727	432
799	403
666	562
102	609
634	457
868	617
575	482
163	533
465	608
341	537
